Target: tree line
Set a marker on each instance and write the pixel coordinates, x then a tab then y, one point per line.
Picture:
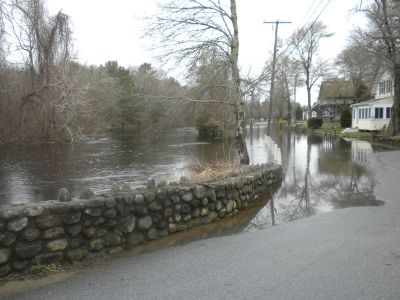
46	95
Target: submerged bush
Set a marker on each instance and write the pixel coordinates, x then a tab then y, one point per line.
314	123
345	118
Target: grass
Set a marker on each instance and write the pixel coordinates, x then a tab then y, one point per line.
40	268
216	170
334	128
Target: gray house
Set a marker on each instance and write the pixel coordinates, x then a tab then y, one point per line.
334	95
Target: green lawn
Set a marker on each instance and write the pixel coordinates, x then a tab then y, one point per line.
334	128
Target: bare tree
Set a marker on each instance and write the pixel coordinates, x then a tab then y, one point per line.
383	35
359	64
49	107
287	81
307	41
186	28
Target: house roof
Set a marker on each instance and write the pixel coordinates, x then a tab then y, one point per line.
332	89
373	101
339	89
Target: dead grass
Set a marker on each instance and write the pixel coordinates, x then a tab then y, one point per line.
199	172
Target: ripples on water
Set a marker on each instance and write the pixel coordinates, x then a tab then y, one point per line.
321	173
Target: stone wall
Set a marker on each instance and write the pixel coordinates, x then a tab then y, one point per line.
53	231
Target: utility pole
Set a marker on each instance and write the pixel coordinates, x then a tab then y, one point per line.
294	97
251	108
273	72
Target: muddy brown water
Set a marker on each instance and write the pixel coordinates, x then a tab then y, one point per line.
321	174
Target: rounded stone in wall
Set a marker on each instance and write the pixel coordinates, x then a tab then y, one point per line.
155	206
76	242
196	213
168	212
110	213
204	212
20	265
199	191
74	230
172	228
145	223
97	245
47	221
186	218
77	254
7	238
72	218
128	224
174	199
211	195
64	195
34	211
139	199
4	256
57	245
89	232
4	270
141	210
149	196
152	234
53	233
135	238
187	197
24	251
30	234
112	240
94	212
17	224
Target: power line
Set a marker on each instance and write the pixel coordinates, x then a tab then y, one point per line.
305	33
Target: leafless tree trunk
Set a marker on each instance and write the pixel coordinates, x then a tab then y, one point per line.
306	42
188	28
48	106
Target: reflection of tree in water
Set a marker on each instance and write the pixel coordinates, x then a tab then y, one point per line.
336	183
303	206
354	190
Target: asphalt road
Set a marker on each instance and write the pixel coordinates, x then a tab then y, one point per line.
351	253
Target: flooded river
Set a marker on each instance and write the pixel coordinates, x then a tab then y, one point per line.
321	174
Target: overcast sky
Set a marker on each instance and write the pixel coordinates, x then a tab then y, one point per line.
112	30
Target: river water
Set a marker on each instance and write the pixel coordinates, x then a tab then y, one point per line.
321	174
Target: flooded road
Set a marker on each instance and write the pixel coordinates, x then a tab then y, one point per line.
321	174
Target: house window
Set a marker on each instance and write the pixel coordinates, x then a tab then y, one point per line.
378	112
389	85
385	87
364	113
381	87
388	112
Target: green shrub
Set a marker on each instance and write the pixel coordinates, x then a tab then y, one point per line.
345	118
314	123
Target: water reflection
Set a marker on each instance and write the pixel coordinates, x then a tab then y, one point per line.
322	174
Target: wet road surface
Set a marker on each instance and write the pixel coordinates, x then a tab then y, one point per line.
351	253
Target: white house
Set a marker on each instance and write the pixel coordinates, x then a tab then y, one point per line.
376	113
